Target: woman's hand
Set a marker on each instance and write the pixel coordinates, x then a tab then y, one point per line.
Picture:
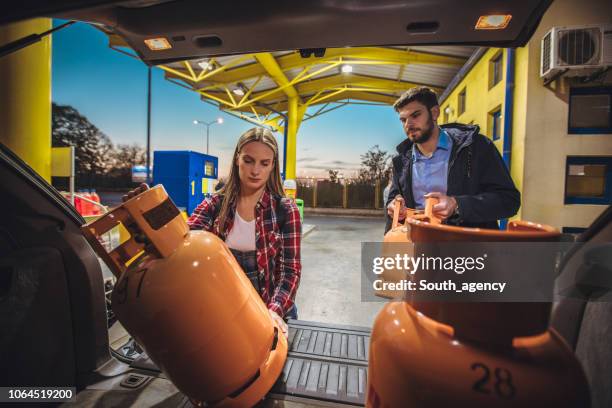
132	193
280	322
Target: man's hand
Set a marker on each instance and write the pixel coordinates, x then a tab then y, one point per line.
446	205
403	210
132	193
280	322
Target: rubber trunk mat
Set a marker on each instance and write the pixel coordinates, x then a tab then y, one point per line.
326	362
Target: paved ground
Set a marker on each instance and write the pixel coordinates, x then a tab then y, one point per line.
330	289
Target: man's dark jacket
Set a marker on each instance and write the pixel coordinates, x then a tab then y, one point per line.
477	178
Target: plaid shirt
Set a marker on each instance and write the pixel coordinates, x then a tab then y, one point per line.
278	252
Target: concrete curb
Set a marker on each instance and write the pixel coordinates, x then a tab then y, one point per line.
307	229
346	212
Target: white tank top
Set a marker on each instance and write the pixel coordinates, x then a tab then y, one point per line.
242	235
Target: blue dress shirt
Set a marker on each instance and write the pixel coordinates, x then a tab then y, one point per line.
430	174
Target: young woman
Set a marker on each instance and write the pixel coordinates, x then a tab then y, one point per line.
260	226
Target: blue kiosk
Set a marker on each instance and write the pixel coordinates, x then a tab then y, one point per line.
187	176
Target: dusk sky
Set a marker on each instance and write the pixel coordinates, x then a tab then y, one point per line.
109	88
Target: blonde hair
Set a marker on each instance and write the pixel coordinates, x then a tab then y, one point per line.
231	190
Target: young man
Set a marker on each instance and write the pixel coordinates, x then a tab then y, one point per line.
453	162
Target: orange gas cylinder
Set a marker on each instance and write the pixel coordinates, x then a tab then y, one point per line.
437	354
400	233
184	298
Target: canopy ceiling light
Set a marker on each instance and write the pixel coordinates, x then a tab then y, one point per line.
493	22
158	44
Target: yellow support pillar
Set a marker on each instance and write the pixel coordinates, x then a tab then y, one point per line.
295	115
25	96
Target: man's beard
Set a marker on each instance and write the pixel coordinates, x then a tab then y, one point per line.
425	133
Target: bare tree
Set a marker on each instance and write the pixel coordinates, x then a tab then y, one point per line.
374	164
333	175
121	161
126	156
97	162
92	146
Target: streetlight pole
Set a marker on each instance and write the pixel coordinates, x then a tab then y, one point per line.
208	124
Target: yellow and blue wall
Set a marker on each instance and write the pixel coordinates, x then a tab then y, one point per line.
537	142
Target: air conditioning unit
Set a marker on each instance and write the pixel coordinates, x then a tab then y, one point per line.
576	51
